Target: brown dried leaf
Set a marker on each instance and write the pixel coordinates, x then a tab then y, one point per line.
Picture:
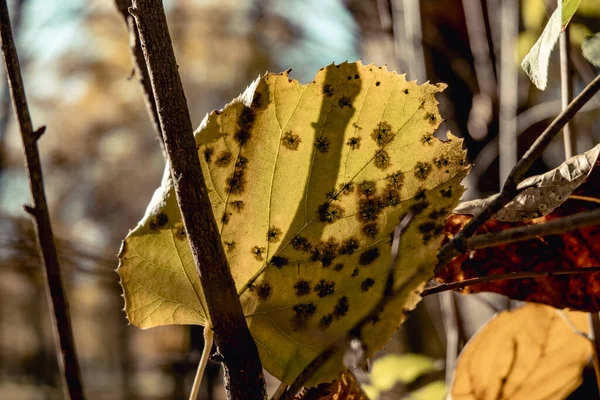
544	192
530	353
344	388
574	249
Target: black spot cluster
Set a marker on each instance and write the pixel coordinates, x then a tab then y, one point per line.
258	252
223	159
422	170
354	142
329	213
158	221
367	284
302	287
324	288
322	144
301	243
237	181
263	290
208	152
279	261
382	133
291	140
273	234
326	252
368	256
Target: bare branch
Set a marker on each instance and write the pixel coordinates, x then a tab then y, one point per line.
59	305
243	371
389	293
140	67
509	190
554	227
501	277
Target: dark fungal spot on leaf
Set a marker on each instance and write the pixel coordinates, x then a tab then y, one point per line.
405	91
325	321
427	138
441	213
338	267
332	195
422	170
418	208
377	83
341	308
258	252
367	188
302	287
291	141
354	273
322	144
158	221
263	290
429	230
230	245
382	159
257	100
324	288
236	182
349	77
368	256
391	197
370	230
345	102
208	152
349	246
369	209
446	192
278	261
329	213
238	205
367	284
303	312
328	90
382	133
180	233
301	243
223	159
273	234
346	188
354	142
356	76
241	163
430	118
225	218
441	162
325	252
395	180
421	194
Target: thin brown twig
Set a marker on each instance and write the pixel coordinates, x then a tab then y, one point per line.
243	370
59	305
554	227
442	287
509	190
389	293
140	67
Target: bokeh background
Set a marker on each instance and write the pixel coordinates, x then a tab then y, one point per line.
102	160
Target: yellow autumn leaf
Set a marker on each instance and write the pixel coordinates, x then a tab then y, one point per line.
307	183
530	353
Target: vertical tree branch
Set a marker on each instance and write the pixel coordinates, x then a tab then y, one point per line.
65	344
243	371
140	67
566	86
509	82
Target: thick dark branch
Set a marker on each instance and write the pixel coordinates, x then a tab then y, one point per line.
65	346
501	277
243	371
509	190
140	67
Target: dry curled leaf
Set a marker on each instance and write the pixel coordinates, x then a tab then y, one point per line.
543	192
530	353
578	248
344	388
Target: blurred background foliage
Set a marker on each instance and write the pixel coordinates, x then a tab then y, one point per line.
102	160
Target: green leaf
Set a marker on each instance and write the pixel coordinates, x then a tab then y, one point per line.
393	369
536	61
591	49
307	183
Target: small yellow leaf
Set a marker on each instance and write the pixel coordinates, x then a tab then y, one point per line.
530	353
